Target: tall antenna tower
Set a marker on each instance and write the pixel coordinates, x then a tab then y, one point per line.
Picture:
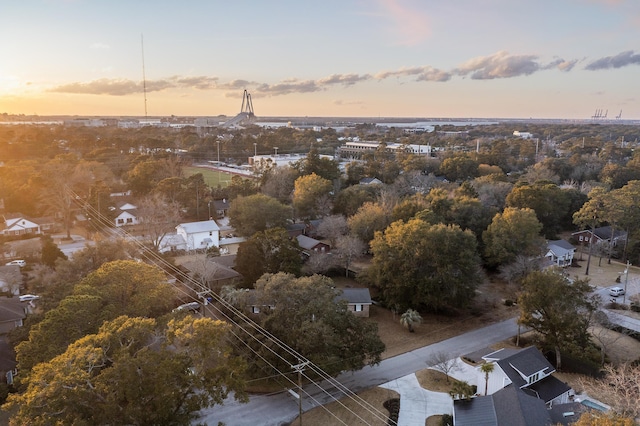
144	78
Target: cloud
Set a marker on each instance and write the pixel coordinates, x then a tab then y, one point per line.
123	87
425	73
499	65
411	25
618	61
561	65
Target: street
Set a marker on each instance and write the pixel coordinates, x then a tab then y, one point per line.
282	408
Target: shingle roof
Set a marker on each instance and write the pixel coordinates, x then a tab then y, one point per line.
355	295
516	408
525	362
478	411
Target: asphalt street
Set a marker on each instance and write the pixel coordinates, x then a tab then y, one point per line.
282	408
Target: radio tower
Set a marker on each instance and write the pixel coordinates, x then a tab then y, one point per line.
144	78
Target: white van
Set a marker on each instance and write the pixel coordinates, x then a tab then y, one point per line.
20	263
616	291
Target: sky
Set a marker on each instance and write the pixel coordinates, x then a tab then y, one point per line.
340	58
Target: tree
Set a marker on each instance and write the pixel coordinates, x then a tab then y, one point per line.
462	390
133	371
436	267
332	228
348	249
592	418
310	194
50	252
410	317
369	219
270	251
256	213
592	213
278	183
459	167
487	368
74	318
129	288
620	388
558	309
550	203
443	362
350	199
511	233
158	217
321	166
307	318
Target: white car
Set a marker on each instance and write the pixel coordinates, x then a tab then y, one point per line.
20	263
188	307
28	297
616	291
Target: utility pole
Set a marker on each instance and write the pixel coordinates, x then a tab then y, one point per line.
626	280
300	368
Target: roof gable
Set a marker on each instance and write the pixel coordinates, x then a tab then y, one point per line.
525	363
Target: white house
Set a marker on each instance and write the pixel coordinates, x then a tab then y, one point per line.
19	225
560	252
527	370
128	215
199	235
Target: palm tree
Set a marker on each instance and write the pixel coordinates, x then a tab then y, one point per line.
487	368
409	318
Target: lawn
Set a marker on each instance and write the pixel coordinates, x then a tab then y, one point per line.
212	178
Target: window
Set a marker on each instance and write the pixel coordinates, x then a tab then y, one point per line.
534	378
358	307
580	238
255	310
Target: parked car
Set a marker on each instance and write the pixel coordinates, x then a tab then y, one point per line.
28	297
21	263
616	291
188	307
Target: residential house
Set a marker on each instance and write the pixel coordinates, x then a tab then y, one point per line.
213	273
18	224
520	391
311	245
8	364
128	215
221	208
370	181
603	234
47	224
12	313
560	252
10	279
358	300
309	228
199	235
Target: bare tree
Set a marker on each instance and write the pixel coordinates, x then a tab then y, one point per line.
333	227
348	249
620	388
442	362
158	217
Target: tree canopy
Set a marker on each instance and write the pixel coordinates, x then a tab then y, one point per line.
133	371
436	267
255	213
308	318
558	309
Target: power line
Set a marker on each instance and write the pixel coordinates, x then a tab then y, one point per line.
155	259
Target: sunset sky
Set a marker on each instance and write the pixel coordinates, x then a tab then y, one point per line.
368	58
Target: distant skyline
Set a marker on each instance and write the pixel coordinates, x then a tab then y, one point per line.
346	58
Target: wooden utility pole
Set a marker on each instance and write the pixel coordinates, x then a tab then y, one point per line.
300	368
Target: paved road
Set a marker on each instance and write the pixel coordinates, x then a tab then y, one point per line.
282	408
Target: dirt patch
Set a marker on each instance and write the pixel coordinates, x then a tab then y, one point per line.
350	411
435	381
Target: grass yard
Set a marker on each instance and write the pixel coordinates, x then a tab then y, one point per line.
213	178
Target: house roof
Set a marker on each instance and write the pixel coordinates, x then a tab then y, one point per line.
7	355
478	411
221	204
565	245
369	181
561	413
525	362
549	388
11	309
210	270
515	408
604	233
307	243
201	226
355	295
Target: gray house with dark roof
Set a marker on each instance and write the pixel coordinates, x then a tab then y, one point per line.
358	300
520	392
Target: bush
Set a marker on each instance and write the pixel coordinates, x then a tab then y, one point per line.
447	420
508	302
393	406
